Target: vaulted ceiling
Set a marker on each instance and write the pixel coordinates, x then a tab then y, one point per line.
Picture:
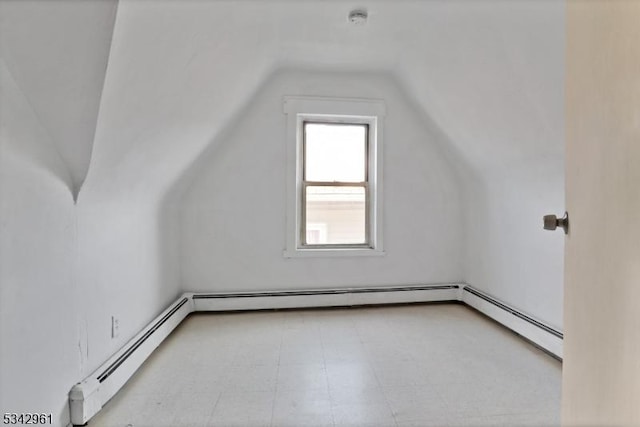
56	53
132	92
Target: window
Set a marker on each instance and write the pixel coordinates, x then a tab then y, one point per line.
334	175
334	184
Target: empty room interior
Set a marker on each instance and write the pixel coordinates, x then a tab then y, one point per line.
291	213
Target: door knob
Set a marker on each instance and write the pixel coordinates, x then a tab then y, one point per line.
551	222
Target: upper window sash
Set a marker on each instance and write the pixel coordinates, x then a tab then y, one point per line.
365	158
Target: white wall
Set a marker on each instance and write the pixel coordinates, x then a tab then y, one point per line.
234	213
65	269
127	268
507	252
39	356
513	142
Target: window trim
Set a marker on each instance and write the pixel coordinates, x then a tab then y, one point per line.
301	110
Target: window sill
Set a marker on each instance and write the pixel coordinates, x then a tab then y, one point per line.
333	253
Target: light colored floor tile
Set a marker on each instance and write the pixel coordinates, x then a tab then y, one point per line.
428	422
361	415
302	408
514	420
515	398
291	355
464	399
344	352
472	422
415	403
449	370
252	378
339	334
386	352
243	408
350	375
122	409
138	411
264	354
421	365
399	374
302	377
194	409
170	382
357	396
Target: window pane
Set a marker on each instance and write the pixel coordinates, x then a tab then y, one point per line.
335	152
335	215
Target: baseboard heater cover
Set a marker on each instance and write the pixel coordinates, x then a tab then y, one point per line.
87	397
324	297
536	331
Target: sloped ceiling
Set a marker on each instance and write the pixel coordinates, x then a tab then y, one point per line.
56	52
489	73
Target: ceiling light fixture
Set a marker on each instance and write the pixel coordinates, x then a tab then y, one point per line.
358	17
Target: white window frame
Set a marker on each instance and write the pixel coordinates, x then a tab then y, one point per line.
333	110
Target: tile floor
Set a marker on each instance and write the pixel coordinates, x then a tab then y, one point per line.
414	365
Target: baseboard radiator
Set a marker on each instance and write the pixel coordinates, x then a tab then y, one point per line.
534	330
325	297
87	397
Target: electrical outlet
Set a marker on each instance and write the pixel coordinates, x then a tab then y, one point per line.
115	327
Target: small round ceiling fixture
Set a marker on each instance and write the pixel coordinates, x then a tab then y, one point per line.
358	17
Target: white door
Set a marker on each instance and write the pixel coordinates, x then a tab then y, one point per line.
601	371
